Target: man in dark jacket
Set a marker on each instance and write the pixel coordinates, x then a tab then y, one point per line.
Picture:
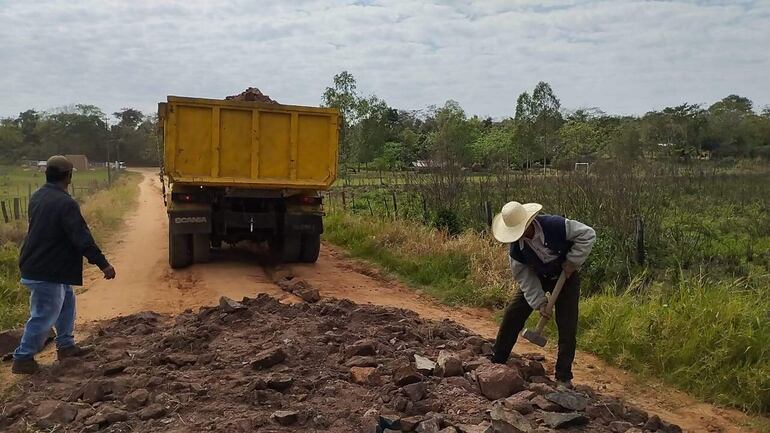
51	262
541	247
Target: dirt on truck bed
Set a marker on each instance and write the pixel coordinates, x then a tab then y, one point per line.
330	366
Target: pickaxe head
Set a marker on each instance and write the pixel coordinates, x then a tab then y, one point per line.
534	337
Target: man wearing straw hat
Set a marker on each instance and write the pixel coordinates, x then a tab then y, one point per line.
541	247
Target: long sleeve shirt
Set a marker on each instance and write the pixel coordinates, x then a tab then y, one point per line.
582	237
57	240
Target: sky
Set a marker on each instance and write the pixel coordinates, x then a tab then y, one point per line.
624	57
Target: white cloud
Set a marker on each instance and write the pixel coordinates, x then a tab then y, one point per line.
626	57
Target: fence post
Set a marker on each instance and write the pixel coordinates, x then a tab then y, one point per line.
395	204
344	203
16	208
387	208
369	204
424	209
5	211
488	213
640	253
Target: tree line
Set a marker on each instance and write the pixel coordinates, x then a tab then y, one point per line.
127	135
540	132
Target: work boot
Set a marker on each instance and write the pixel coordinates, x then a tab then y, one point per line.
25	366
73	351
563	385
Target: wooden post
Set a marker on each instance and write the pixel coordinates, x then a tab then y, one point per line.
488	213
387	208
5	212
640	253
344	203
369	204
395	204
16	208
424	209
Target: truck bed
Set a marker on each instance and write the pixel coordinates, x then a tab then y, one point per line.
212	142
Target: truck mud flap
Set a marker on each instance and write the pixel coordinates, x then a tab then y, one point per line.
189	221
303	223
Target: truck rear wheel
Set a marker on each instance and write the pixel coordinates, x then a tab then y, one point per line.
179	250
286	248
201	248
311	247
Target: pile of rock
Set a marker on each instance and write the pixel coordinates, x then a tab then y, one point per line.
251	94
331	365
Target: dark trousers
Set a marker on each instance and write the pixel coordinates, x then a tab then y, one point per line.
518	311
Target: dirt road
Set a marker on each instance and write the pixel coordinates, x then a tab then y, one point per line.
145	282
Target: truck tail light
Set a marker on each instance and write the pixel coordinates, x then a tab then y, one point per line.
310	200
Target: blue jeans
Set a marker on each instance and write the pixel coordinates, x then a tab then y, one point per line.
50	304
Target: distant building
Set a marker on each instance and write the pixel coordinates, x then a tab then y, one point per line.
79	162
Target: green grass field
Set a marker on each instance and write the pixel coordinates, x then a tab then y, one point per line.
18	181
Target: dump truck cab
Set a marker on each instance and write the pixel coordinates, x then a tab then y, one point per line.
246	171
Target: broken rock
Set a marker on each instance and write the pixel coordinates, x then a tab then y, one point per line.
424	365
519	404
620	426
53	413
137	399
180	359
361	348
449	364
113	368
406	375
285	417
410	423
428	426
152	411
362	361
310	295
498	381
484	427
365	375
268	358
546	405
559	420
415	391
228	305
279	382
568	400
508	421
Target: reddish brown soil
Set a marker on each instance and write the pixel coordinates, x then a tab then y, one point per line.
200	371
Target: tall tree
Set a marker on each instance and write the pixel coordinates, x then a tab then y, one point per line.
546	117
524	130
343	96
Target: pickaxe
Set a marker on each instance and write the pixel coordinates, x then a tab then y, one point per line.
536	336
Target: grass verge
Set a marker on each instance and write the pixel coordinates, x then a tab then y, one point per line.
104	212
708	337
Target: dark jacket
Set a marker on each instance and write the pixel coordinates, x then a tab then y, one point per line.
57	240
555	239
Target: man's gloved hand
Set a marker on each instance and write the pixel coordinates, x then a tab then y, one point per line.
109	272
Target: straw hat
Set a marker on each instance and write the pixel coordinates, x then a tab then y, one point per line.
509	225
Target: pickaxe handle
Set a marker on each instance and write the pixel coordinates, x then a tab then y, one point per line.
555	294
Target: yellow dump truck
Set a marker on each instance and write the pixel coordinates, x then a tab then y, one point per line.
246	171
